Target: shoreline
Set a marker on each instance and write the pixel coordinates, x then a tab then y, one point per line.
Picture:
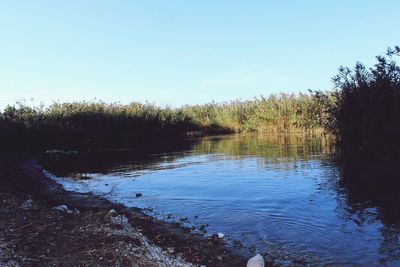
26	179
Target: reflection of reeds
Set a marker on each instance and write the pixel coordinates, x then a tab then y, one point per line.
269	146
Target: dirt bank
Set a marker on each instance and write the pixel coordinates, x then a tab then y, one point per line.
32	233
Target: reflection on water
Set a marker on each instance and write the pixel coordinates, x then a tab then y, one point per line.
281	195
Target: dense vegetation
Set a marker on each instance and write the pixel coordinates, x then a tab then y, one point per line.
363	111
94	124
277	113
366	116
88	124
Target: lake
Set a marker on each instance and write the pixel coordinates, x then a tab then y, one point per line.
284	196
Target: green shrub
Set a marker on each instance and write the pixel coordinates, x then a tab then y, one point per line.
367	115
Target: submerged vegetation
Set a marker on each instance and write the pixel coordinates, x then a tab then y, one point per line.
363	111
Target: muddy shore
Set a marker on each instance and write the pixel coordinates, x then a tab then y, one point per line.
34	234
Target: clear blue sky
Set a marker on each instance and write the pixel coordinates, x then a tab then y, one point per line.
188	51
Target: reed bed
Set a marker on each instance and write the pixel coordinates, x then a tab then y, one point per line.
100	124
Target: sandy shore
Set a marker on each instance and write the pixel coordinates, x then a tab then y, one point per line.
32	233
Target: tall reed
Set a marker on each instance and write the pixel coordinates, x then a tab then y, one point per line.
96	124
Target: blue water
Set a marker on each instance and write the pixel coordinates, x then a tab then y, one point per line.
282	196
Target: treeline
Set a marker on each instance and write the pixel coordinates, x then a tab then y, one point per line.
98	124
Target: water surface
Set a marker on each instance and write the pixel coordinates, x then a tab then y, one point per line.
280	195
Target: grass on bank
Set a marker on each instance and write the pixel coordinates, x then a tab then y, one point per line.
97	124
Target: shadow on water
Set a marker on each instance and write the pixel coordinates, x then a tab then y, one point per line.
339	211
80	164
369	192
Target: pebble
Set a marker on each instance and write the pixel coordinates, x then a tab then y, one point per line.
62	208
256	261
112	212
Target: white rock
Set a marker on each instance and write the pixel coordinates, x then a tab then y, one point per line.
221	235
62	208
112	212
256	261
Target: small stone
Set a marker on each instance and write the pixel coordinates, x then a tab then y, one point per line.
112	212
62	208
256	261
139	194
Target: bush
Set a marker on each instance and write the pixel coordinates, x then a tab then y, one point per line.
367	115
